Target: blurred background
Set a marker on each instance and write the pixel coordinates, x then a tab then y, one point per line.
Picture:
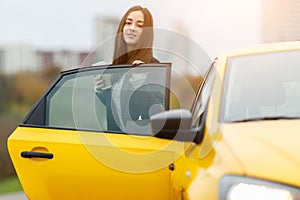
38	39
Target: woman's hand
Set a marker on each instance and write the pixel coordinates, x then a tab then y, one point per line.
102	82
137	62
138	79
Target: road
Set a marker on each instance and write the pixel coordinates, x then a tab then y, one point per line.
14	196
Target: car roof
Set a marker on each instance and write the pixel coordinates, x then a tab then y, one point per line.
223	58
261	48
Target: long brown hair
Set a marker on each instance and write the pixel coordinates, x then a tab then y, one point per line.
143	50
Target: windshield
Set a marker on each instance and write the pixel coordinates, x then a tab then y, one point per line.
262	86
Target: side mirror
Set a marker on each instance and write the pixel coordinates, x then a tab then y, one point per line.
174	124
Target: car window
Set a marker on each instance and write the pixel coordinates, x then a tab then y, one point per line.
201	101
262	86
124	105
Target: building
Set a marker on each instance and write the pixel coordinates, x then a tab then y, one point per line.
65	59
21	57
105	28
280	20
24	57
17	57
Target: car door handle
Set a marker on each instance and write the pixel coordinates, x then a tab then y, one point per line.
30	154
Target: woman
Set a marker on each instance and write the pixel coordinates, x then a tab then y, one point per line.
133	45
134	40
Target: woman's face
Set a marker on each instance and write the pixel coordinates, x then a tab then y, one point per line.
133	28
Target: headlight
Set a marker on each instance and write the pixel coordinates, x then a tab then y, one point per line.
244	188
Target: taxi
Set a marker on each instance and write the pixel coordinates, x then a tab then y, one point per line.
243	128
239	139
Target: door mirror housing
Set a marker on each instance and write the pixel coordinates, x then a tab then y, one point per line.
174	124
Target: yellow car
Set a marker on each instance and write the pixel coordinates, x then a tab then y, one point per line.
238	141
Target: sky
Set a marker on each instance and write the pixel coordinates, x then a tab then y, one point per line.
215	25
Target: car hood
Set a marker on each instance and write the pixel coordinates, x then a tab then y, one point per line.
266	149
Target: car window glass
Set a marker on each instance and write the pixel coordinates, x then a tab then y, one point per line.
203	96
59	104
124	105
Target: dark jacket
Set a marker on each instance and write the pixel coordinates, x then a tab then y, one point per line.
138	102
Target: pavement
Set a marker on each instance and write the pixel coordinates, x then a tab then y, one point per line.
13	196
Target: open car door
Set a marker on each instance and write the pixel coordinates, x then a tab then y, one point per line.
81	143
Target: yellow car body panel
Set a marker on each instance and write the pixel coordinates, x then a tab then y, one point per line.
76	167
263	147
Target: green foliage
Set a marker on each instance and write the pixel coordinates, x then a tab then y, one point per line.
11	184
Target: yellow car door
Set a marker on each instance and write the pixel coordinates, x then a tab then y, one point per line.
65	149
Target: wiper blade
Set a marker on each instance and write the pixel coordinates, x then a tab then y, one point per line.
266	118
